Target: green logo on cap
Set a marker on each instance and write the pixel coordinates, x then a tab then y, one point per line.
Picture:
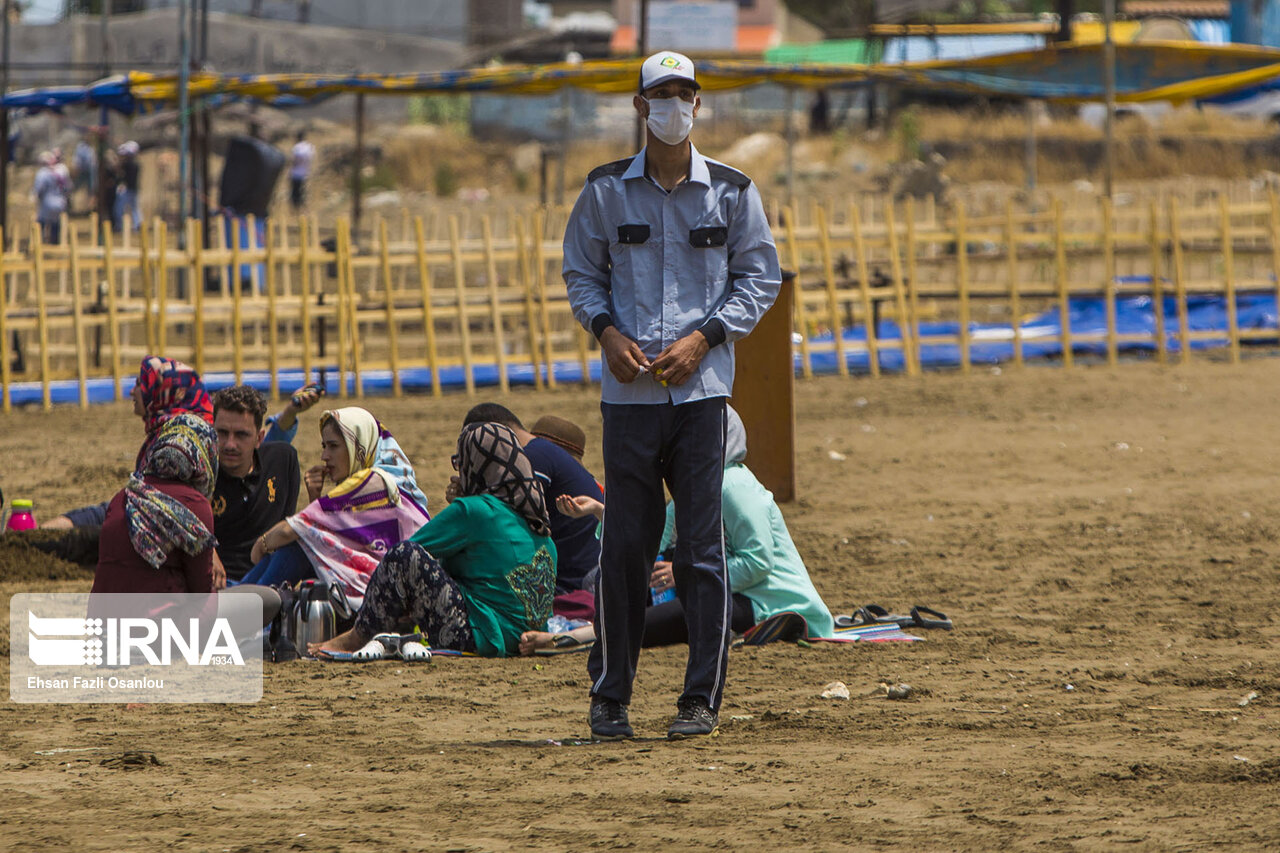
670	62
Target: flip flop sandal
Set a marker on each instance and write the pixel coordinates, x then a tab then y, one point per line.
879	616
565	644
413	649
936	620
381	646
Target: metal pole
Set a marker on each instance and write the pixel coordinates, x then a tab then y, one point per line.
642	47
791	145
357	168
1109	84
206	127
184	115
4	134
193	38
104	122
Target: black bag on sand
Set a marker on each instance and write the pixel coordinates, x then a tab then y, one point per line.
276	645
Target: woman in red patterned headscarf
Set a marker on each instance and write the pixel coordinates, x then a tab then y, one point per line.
165	389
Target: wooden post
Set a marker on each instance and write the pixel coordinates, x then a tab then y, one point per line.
864	286
1064	288
1109	281
251	237
144	255
833	301
195	244
540	264
530	312
113	316
913	296
237	320
304	293
273	317
460	291
353	313
77	317
1157	287
340	304
766	401
6	403
393	333
910	356
42	314
495	304
162	286
1015	292
1229	280
801	325
428	310
962	287
1179	284
1273	220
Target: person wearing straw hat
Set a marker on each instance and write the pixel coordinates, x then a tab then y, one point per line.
668	259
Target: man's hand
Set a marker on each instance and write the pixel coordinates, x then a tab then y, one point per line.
675	364
219	573
623	355
301	400
314	481
662	578
453	490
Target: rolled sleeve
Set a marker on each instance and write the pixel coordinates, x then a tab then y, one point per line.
275	433
754	273
586	268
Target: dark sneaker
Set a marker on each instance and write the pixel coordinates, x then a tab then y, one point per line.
694	718
609	719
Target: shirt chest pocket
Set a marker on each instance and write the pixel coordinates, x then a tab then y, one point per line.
709	243
632	256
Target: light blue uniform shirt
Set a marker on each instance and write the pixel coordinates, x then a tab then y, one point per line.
660	265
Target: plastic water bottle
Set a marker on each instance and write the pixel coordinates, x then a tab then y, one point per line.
661	597
21	518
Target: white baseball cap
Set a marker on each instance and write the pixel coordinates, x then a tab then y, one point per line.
666	65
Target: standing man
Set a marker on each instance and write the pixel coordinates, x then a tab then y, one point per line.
668	259
126	203
304	156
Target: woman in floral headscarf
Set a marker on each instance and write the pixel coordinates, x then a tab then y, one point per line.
341	536
483	570
157	536
164	389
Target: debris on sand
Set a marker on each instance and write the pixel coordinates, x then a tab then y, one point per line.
132	760
835	690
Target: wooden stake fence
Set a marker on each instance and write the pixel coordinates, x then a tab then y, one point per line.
305	297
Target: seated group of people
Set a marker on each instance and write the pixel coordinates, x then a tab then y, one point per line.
212	503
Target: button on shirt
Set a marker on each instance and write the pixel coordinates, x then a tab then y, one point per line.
660	265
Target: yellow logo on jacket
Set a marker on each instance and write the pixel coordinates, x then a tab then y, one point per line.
271	489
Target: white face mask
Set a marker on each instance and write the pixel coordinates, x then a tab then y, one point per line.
670	119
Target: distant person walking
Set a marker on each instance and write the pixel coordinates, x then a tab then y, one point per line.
127	188
668	259
50	189
304	157
85	161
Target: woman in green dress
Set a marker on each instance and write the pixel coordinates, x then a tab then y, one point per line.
481	572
